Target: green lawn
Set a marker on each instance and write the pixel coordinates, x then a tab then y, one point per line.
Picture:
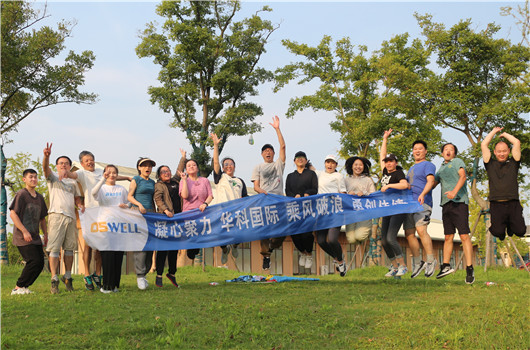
360	311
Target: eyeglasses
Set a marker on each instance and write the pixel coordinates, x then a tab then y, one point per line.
228	164
165	172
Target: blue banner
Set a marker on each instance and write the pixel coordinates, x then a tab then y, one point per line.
266	216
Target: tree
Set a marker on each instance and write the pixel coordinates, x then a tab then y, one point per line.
367	94
522	19
208	61
29	79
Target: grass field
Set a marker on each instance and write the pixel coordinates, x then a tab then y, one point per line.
360	311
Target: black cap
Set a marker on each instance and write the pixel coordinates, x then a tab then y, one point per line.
390	156
300	154
267	145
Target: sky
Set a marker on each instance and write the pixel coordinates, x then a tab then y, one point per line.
123	125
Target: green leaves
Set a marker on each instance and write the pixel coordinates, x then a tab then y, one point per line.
29	80
208	67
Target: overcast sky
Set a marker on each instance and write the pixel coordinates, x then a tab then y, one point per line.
124	125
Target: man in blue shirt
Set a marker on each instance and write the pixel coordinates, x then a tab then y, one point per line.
421	180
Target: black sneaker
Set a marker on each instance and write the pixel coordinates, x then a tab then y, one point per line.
68	283
418	269
55	287
445	270
158	281
172	279
97	280
470	274
266	263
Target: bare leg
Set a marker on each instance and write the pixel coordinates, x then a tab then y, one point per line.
54	264
87	258
467	247
68	262
425	239
448	248
97	258
413	242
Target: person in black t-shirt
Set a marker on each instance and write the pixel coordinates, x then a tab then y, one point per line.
505	209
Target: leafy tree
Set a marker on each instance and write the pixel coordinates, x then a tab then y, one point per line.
29	79
367	94
16	165
208	68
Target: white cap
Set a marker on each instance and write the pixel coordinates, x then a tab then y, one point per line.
332	157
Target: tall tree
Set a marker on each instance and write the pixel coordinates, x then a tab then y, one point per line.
367	94
30	79
208	68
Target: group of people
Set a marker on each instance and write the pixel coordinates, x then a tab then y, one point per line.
187	190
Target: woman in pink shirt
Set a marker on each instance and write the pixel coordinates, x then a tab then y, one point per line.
196	193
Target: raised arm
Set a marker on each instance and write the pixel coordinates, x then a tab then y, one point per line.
216	165
382	152
184	193
182	164
46	160
516	145
484	145
276	125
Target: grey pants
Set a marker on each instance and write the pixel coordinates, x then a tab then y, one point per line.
142	263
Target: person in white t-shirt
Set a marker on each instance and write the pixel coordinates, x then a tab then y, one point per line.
108	194
331	181
268	178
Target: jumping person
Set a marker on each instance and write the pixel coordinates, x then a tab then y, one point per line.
393	177
108	194
421	179
64	195
28	211
268	178
302	182
141	192
331	181
358	183
505	208
228	187
168	202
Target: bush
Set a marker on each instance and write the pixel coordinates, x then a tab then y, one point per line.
12	251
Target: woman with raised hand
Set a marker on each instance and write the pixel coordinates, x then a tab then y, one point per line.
228	187
302	182
141	191
331	181
196	193
358	183
108	194
168	202
393	177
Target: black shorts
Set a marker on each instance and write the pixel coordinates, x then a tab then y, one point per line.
455	216
507	217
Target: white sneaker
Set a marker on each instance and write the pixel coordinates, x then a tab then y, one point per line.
308	261
302	259
141	282
402	269
105	291
391	272
146	283
430	268
342	269
18	291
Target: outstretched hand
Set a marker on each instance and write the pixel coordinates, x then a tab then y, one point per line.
48	150
275	122
214	138
387	133
183	153
497	129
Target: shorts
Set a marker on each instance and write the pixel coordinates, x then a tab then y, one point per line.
421	218
455	216
359	231
507	217
62	233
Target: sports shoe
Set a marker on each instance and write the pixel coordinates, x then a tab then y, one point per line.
445	270
18	291
88	283
392	271
402	269
115	290
301	260
172	279
158	281
224	256
235	252
68	283
266	263
430	268
470	274
417	269
97	280
342	269
308	261
141	282
55	287
106	291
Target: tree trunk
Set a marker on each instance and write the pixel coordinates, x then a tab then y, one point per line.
4	259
